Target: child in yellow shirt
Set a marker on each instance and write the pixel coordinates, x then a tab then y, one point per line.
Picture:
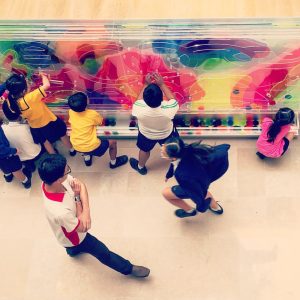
83	135
45	127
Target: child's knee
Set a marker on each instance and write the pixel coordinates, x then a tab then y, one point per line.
166	193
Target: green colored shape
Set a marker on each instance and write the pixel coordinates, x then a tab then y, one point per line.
211	63
290	96
91	66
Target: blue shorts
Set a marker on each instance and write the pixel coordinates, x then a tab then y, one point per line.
179	192
146	145
10	164
100	150
52	132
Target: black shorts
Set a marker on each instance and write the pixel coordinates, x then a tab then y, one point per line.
178	191
286	145
52	132
100	150
10	164
146	145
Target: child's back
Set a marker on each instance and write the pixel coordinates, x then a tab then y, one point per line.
271	149
84	129
19	135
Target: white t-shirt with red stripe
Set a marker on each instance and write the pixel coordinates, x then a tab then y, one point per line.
61	214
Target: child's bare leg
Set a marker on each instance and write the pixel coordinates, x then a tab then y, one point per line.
213	202
48	146
112	149
290	135
19	175
169	196
143	157
66	141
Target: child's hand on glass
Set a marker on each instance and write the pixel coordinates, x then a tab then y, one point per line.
158	79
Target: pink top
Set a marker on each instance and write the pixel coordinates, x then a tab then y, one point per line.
271	149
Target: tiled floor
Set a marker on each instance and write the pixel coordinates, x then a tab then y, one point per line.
251	252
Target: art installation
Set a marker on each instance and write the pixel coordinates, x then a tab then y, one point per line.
225	75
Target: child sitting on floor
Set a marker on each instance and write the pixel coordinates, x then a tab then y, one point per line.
275	136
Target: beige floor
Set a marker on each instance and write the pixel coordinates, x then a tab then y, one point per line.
251	252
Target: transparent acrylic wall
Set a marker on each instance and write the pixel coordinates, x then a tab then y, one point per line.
235	68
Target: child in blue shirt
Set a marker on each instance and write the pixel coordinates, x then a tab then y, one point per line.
10	163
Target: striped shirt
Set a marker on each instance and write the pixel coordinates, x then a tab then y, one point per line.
271	149
155	123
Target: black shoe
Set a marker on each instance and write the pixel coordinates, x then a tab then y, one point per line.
120	161
217	212
9	178
134	163
28	174
88	163
139	271
260	155
181	213
72	153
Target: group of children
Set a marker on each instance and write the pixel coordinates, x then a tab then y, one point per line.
66	201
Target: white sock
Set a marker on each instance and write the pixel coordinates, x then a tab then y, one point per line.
87	157
72	150
25	180
191	210
6	175
140	167
113	161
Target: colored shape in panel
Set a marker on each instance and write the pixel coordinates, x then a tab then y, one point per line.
217	89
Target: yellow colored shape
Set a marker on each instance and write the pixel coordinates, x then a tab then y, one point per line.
218	89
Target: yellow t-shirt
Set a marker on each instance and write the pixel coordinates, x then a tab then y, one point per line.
83	130
35	110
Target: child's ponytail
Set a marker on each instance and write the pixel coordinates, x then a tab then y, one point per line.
176	148
283	117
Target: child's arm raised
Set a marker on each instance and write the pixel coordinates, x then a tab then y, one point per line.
147	82
45	81
158	79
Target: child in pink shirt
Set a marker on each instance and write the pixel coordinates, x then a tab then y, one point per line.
275	136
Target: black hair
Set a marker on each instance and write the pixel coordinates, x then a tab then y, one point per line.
78	102
16	85
52	167
176	148
284	116
11	110
153	95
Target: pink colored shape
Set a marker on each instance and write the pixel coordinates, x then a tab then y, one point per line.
259	87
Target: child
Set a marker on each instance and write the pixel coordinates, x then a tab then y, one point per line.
195	167
154	119
66	203
83	135
10	163
46	128
19	136
275	135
